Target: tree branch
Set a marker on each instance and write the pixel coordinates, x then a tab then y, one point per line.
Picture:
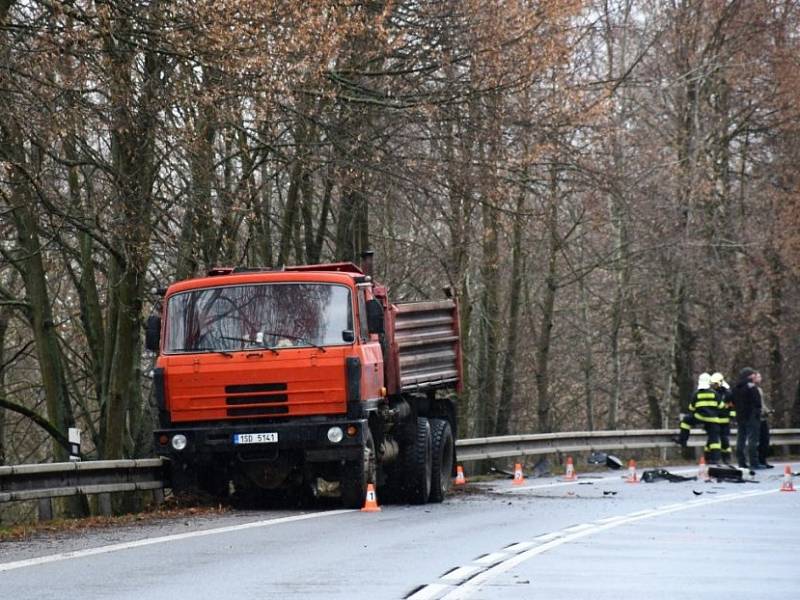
38	419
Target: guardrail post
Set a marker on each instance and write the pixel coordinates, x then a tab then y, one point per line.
104	504
158	496
45	506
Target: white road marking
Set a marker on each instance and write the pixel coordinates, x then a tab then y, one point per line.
576	528
519	547
542	486
611	519
472	585
546	537
491	559
429	592
670	506
461	573
19	564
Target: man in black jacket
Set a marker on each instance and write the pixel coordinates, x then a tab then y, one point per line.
747	400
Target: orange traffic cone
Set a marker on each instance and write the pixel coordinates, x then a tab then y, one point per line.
370	503
632	476
702	469
570	475
460	479
787	485
519	478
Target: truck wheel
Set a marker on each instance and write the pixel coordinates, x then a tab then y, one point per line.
417	464
357	474
443	451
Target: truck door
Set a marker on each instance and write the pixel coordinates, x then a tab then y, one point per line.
371	354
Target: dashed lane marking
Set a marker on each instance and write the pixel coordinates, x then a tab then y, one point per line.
429	592
460	574
491	559
481	570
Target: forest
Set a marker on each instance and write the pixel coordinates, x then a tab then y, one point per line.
611	188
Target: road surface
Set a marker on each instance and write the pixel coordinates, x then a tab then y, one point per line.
595	538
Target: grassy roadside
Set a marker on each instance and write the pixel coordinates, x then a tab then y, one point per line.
24	531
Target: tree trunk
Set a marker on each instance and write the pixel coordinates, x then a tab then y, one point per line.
507	387
775	284
542	354
4	319
489	320
352	233
134	162
30	264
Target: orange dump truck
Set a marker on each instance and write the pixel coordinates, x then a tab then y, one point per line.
304	377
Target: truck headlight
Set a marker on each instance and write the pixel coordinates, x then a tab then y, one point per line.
335	435
179	442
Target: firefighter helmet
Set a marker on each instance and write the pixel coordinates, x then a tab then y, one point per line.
704	381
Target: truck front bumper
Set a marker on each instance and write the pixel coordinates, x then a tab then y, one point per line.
310	438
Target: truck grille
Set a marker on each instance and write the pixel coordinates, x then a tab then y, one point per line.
257	393
256	411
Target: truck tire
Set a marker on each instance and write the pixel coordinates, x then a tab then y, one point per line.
417	464
358	474
442	454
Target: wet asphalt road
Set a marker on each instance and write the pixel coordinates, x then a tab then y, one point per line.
546	539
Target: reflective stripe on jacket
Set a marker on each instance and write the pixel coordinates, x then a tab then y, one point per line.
705	406
727	411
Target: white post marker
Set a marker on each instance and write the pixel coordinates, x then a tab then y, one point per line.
74	438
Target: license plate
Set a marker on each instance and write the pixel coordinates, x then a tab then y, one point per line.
255	438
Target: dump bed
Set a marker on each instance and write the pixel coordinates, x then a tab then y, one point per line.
426	342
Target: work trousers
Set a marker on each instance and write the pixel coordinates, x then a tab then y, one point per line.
725	442
712	449
687	422
747	441
763	442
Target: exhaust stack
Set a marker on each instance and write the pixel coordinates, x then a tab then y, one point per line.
366	262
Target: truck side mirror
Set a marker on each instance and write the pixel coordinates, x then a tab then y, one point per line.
348	335
375	316
152	335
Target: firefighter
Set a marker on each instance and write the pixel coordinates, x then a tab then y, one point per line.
689	420
704	407
726	411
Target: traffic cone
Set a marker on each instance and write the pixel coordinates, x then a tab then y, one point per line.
787	485
371	503
460	479
570	475
519	478
632	476
702	469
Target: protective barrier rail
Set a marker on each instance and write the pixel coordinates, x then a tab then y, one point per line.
52	480
588	441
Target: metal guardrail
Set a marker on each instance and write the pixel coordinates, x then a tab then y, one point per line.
53	480
589	441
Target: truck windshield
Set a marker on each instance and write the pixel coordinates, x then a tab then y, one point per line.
275	315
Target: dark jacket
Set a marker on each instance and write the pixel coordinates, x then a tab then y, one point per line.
705	406
746	399
727	409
